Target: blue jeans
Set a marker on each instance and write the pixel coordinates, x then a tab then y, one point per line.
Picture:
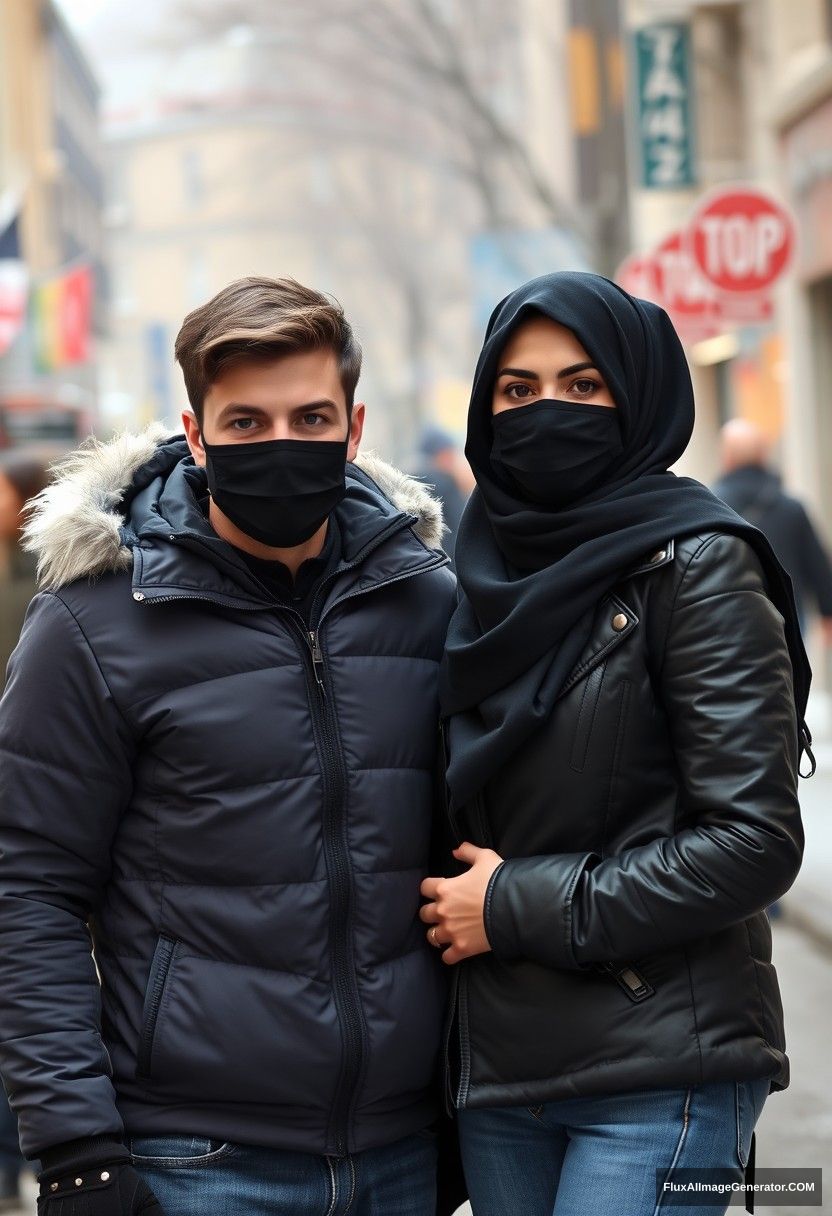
193	1176
600	1156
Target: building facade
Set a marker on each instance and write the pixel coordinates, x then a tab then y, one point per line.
51	181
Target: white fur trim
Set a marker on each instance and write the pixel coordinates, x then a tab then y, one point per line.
73	528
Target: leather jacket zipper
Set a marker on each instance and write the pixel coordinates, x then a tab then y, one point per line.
630	981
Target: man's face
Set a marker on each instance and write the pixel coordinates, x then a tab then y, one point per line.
295	396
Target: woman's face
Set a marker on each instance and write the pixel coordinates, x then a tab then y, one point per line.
10	508
543	360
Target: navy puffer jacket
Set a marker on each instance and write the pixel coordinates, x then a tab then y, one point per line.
239	810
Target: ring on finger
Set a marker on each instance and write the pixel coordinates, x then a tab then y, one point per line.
432	938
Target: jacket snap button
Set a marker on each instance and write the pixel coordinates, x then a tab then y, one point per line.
54	1186
138	595
658	557
620	621
105	1175
78	1181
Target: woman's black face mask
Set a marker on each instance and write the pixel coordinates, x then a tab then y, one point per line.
556	452
278	491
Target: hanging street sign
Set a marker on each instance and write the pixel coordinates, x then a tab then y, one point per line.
664	105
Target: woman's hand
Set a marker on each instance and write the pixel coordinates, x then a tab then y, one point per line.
456	912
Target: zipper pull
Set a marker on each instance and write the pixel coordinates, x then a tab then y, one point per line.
629	980
317	660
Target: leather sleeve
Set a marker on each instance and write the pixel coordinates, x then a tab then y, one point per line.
65	778
726	684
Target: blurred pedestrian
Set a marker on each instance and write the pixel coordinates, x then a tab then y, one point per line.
755	491
623	693
218	763
444	468
22	476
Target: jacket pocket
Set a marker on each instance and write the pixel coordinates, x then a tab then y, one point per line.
586	717
160	970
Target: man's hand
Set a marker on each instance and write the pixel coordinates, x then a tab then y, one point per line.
104	1190
456	912
826	630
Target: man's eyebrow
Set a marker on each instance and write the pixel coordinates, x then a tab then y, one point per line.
321	404
258	409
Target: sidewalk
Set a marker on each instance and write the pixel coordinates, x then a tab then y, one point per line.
808	905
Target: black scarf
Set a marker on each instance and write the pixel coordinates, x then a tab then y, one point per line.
531	576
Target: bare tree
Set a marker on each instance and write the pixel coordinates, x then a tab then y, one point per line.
413	74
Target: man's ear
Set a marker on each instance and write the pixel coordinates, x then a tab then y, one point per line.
193	436
356	429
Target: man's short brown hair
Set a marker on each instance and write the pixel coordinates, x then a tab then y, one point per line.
258	319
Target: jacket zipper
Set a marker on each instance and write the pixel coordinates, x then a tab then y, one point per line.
159	972
630	981
336	852
336	844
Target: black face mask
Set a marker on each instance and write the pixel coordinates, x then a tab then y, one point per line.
279	491
555	452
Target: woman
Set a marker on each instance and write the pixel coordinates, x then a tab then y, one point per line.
624	690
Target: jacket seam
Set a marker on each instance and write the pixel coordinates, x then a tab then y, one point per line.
19	754
594	659
94	656
489	897
763	1019
719	595
227	962
686	953
624	700
567	918
223	886
704	544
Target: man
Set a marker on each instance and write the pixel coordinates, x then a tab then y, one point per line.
755	492
217	751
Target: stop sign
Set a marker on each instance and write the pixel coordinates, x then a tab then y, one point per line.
741	239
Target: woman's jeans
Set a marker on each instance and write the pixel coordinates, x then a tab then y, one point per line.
607	1156
193	1176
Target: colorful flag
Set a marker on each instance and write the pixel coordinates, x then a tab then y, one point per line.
14	285
62	319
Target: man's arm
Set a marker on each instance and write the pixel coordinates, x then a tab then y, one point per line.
816	564
66	757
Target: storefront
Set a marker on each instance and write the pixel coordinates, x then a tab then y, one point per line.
807	160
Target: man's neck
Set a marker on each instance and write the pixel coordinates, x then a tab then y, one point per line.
292	558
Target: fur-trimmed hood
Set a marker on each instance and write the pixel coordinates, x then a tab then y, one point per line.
76	526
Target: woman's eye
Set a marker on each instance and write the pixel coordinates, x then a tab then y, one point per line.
585	388
518	392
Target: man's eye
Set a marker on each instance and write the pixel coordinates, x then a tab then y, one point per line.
518	392
313	419
242	424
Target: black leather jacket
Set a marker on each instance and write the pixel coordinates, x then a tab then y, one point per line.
645	828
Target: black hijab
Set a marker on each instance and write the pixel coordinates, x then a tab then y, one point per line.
530	576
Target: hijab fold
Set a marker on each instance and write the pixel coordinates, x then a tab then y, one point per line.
531	576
